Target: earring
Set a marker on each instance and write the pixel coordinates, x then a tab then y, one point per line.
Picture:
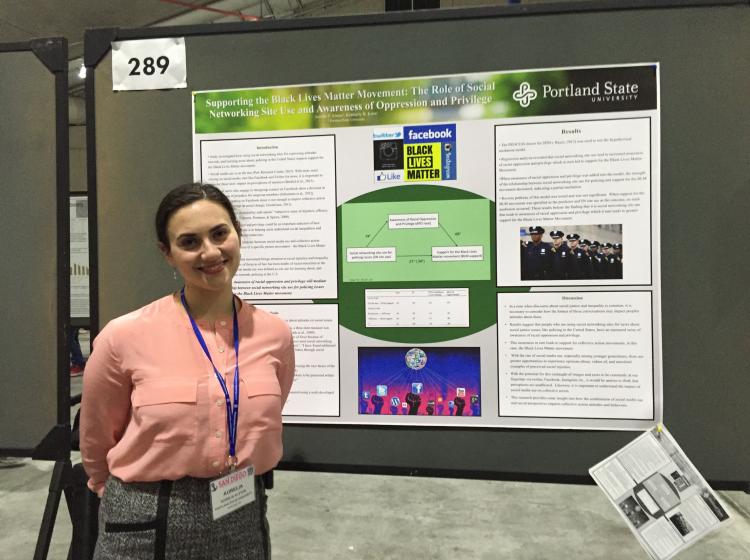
174	273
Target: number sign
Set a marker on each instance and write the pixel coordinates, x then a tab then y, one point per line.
149	64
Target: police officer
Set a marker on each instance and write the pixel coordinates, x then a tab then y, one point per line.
576	262
597	261
587	269
616	264
536	256
609	261
560	256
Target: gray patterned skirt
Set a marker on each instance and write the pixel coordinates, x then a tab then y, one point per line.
172	520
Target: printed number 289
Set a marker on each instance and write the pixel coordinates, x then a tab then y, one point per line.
149	65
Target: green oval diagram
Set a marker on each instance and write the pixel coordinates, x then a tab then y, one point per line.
417	237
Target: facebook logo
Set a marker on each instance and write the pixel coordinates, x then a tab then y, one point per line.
430	133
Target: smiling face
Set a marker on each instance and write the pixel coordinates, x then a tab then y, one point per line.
203	246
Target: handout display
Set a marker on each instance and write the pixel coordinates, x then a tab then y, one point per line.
661	496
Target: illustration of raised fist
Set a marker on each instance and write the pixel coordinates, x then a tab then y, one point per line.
363	404
460	404
413	400
377	403
475	406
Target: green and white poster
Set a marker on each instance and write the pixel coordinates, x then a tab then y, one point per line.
477	250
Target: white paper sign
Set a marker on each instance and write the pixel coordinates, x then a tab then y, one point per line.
149	64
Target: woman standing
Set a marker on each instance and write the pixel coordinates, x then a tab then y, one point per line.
182	397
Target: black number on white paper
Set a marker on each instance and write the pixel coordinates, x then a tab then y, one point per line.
149	65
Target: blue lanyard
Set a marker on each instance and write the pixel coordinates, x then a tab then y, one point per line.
232	409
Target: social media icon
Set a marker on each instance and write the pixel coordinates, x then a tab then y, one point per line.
365	395
416	388
474	399
381	390
460	391
395	401
404	405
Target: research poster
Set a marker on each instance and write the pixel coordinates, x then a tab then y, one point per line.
477	250
79	256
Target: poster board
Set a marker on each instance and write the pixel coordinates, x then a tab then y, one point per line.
79	259
413	174
34	376
453	43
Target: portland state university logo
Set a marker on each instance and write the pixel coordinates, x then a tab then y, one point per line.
525	94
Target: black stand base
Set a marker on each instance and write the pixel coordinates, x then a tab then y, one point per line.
61	479
83	507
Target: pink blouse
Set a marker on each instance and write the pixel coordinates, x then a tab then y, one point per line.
153	409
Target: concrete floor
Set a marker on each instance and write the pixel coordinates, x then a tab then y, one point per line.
323	516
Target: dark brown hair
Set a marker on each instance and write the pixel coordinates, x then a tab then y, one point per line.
187	194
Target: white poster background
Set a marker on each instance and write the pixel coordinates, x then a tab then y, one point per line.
575	173
576	355
284	192
315	330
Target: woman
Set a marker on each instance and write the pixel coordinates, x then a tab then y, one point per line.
182	396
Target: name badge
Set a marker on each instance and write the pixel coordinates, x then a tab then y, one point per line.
232	491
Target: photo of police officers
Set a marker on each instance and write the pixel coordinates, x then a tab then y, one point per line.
572	252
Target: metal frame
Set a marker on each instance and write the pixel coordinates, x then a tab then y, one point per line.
53	53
